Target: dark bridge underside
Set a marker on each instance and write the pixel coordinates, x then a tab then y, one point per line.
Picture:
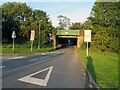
66	41
67	37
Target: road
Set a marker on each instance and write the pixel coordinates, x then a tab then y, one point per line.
60	69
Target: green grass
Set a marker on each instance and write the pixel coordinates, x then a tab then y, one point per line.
103	66
23	50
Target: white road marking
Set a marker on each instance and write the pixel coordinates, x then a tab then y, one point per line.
43	53
37	81
55	53
2	66
35	59
39	58
20	57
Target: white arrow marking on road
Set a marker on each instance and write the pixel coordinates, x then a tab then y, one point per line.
37	81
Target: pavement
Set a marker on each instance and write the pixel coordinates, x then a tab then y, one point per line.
58	69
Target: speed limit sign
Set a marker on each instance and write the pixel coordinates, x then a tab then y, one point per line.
32	35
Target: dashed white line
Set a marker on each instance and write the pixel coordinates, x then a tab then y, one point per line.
39	58
2	66
20	57
55	53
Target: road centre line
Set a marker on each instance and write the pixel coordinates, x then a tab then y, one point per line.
18	57
2	66
39	58
44	57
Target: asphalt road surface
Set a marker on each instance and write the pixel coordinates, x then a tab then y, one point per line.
59	69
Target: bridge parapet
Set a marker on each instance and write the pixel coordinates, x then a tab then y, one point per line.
68	32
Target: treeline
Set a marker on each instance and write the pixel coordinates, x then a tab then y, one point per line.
104	22
21	18
105	25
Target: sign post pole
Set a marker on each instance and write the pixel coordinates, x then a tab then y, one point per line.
13	44
87	50
13	36
31	45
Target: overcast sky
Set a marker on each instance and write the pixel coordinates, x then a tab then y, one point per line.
76	11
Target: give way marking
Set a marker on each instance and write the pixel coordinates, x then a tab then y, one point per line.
37	81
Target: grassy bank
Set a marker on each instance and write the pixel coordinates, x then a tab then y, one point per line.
23	49
103	66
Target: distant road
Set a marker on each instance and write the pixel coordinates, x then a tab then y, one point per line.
61	69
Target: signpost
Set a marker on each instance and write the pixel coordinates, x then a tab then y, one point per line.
13	36
32	36
87	38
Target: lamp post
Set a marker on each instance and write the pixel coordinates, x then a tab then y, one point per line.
39	34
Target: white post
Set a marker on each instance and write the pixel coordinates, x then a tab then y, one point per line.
13	44
87	50
13	36
31	45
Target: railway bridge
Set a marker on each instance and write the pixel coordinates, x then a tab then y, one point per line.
67	38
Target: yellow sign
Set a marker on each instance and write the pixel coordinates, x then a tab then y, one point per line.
87	35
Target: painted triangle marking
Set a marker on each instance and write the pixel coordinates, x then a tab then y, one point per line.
37	81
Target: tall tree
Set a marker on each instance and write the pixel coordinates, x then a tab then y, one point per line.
64	22
105	22
15	17
22	19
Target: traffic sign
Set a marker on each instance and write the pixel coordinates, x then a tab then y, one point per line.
87	38
13	34
32	35
87	35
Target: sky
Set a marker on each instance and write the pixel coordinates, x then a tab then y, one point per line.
76	11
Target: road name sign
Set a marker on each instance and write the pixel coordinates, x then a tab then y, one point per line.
87	35
13	34
37	81
32	36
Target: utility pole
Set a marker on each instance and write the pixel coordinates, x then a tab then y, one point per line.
39	34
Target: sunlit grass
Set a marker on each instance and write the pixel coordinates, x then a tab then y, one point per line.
105	67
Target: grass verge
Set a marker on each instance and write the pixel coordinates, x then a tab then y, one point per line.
24	50
103	66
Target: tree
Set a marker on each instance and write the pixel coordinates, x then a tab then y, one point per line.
105	22
64	22
22	19
15	16
76	25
